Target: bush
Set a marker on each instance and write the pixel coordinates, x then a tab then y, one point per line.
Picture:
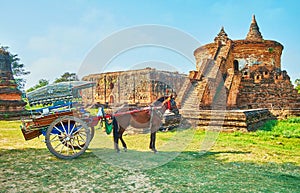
293	120
269	125
289	128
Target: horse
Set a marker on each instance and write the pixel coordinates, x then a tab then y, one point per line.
150	117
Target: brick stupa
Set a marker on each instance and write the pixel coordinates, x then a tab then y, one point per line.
11	104
248	70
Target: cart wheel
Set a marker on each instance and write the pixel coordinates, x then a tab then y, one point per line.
92	132
78	139
68	137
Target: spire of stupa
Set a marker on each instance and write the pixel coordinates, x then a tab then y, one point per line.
254	33
222	36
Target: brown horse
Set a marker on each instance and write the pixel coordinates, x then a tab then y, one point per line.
150	117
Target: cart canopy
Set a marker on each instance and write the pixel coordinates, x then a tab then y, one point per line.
63	91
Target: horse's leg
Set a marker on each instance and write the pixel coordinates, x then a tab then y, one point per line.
121	138
116	134
152	141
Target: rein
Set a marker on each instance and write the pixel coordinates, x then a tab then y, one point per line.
136	111
151	108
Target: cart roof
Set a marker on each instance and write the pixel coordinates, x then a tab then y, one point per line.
57	91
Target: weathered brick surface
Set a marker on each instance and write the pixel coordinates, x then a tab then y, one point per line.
246	74
11	103
251	69
140	87
228	120
254	33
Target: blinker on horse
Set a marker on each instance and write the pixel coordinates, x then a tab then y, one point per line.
150	117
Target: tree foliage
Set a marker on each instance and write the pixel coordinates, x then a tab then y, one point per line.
297	83
18	69
42	82
67	76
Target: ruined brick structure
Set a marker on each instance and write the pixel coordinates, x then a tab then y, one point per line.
249	71
140	87
11	104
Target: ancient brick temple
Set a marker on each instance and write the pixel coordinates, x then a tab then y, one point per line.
140	87
249	70
11	104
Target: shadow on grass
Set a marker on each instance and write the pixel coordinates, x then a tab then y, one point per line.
213	153
189	171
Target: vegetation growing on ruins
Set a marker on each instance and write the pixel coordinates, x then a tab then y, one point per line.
297	83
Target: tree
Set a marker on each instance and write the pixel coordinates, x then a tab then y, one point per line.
18	69
67	77
42	82
297	83
64	78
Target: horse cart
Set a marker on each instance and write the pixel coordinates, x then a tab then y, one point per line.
67	127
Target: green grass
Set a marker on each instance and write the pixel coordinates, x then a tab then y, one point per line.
263	161
285	128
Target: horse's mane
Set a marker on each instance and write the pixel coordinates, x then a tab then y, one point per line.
159	101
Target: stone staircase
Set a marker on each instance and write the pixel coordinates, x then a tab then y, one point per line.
194	95
190	104
182	94
221	54
206	67
207	74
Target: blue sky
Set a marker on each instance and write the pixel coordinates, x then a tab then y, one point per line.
53	37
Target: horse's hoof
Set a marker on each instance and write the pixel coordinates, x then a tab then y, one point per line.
154	151
125	149
117	150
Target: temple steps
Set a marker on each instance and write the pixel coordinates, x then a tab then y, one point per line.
194	95
228	120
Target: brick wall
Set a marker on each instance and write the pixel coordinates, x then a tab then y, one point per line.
134	86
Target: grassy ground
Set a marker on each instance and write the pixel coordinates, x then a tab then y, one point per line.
264	161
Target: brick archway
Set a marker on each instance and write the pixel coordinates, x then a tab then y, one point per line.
236	65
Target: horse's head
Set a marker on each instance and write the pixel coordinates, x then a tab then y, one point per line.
167	103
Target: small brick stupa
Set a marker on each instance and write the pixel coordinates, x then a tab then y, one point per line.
11	104
248	70
251	73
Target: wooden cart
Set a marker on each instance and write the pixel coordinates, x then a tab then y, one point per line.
68	130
